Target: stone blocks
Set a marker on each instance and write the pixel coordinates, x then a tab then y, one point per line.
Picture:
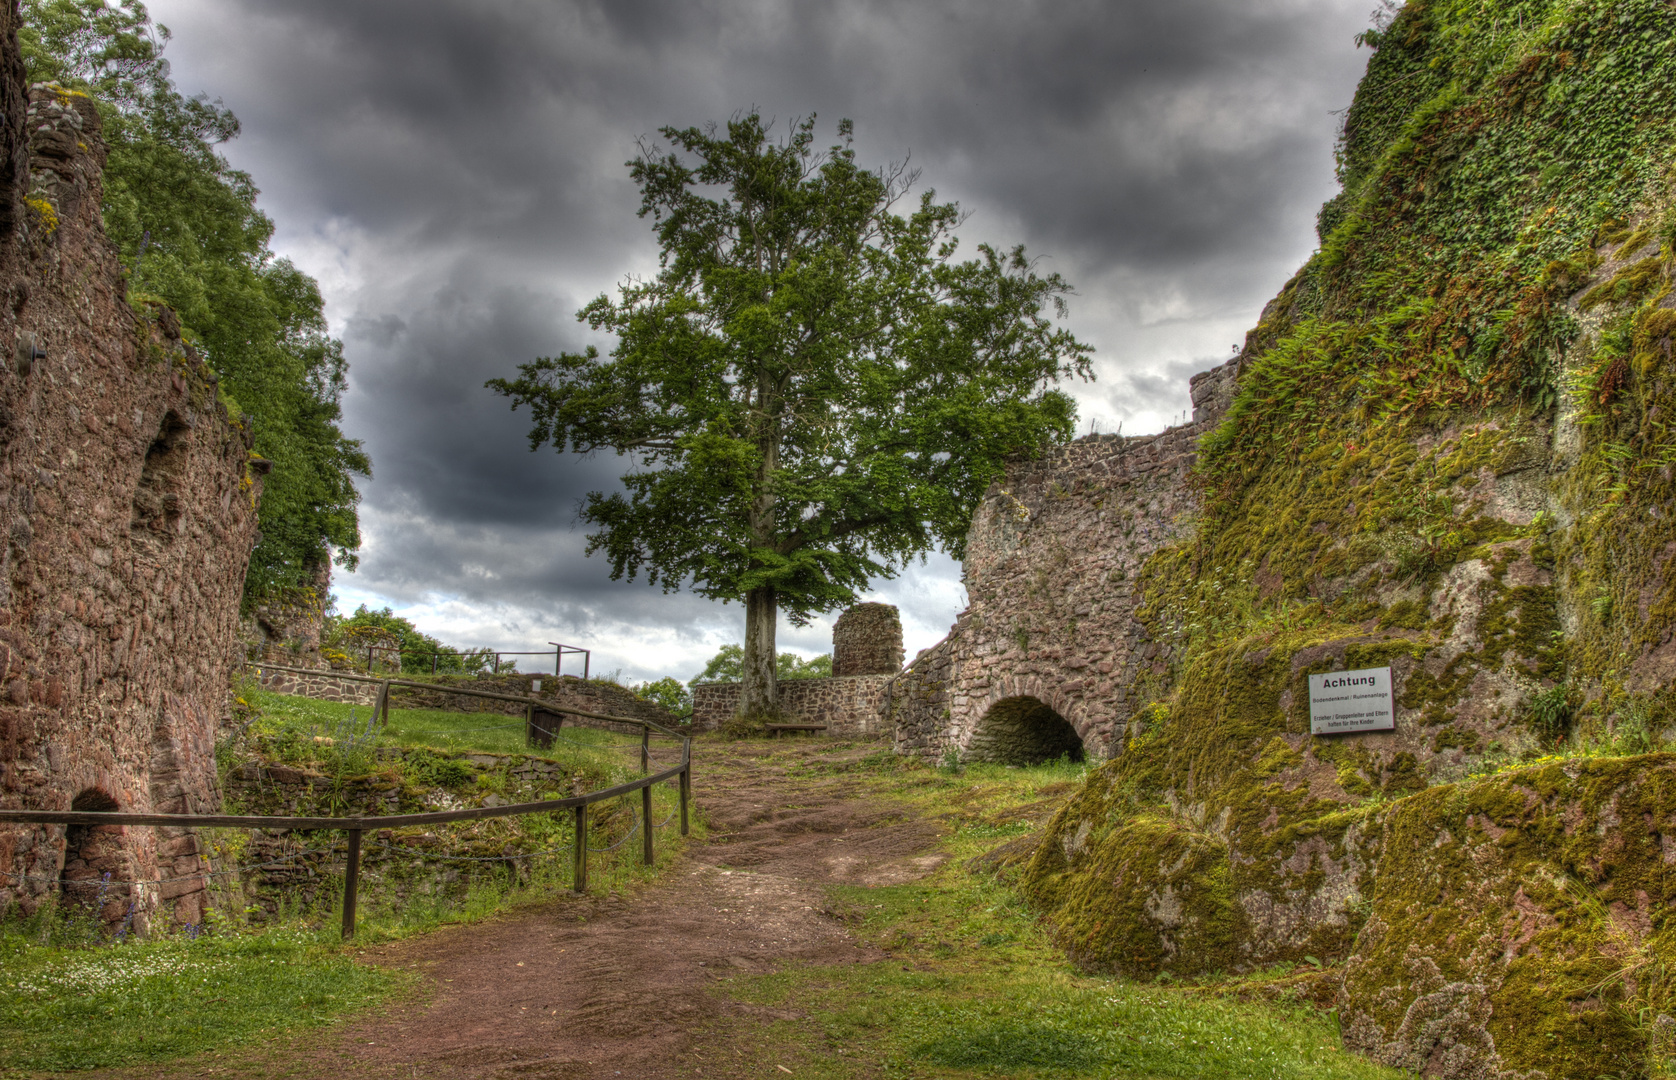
128	510
1051	563
867	640
853	703
851	707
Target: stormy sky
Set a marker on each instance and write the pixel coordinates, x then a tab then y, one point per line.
452	171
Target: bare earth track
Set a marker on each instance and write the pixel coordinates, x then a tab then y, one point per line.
621	987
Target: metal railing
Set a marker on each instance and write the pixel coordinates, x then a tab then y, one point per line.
355	826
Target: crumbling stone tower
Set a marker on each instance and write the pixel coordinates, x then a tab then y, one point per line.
127	514
867	640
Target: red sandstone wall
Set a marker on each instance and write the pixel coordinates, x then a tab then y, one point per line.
128	509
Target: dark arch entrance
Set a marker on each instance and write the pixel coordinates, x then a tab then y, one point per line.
1023	731
94	881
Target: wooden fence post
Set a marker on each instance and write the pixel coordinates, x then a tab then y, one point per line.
645	749
351	883
686	792
579	871
646	822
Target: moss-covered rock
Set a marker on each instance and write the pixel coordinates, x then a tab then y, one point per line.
1521	923
1449	452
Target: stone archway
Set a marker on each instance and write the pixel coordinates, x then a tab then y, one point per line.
94	881
1022	730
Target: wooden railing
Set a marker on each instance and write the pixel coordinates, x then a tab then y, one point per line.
538	733
355	826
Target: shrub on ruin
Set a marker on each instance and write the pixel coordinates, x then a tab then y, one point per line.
190	234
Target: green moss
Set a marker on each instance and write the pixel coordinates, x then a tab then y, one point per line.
1403	776
1396	409
1162	899
1404	615
1453	737
1534	864
1632	283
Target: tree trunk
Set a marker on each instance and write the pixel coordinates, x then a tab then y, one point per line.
760	696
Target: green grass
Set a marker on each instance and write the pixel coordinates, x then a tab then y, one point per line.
445	732
947	1021
93	1006
71	999
291	729
973	987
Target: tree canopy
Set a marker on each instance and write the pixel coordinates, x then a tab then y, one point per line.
811	390
190	234
728	665
420	652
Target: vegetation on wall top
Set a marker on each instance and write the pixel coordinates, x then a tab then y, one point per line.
189	232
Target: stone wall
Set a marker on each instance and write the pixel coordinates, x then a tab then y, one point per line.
867	640
322	685
304	869
1050	566
128	510
286	629
854	706
853	703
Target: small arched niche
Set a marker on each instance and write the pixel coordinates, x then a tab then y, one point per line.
158	506
1023	731
94	879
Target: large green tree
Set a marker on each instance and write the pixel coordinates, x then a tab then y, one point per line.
189	232
812	389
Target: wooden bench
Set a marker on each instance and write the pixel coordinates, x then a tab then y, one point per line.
775	729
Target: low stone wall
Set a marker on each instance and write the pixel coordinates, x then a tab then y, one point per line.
853	706
302	869
564	690
321	685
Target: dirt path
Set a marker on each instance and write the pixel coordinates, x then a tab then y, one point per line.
621	987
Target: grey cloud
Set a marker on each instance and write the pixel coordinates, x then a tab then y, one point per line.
453	170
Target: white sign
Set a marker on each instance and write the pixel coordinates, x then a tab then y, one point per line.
1351	701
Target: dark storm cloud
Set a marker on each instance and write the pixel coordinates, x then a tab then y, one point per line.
453	172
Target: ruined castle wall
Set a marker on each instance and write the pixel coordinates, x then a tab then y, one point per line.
127	510
867	640
854	706
1050	569
286	629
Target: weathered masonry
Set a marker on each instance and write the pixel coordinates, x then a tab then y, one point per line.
128	510
855	701
1043	660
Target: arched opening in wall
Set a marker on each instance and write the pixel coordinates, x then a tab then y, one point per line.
1023	731
157	501
94	880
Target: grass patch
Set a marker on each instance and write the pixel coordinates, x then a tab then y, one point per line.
972	985
421	877
96	1006
297	724
938	1018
